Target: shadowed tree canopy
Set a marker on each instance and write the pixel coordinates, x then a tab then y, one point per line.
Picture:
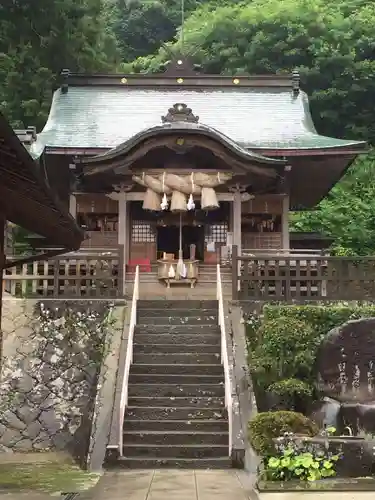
38	38
142	26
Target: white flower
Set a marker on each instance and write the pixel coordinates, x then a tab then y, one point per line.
59	322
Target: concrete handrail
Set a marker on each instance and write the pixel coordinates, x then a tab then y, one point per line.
224	355
128	359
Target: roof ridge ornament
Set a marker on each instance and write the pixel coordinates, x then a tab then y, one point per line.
180	65
64	75
180	113
296	80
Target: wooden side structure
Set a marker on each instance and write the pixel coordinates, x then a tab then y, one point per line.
301	277
81	275
261	225
28	201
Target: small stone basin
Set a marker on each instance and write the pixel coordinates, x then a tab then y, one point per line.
356	454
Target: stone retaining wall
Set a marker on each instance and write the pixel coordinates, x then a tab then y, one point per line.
49	374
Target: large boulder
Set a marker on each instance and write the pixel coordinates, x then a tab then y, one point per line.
346	362
346	371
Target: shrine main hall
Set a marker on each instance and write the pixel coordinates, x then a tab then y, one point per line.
185	165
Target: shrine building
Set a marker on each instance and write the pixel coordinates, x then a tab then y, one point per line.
185	162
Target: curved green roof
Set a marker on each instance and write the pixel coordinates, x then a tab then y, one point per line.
100	116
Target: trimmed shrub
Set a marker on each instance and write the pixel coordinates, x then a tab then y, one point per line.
265	427
291	394
321	317
286	349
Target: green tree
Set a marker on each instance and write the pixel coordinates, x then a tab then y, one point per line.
347	214
331	42
142	26
40	38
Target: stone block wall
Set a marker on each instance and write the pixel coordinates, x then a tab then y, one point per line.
51	360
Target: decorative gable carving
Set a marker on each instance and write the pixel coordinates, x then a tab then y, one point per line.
180	65
180	113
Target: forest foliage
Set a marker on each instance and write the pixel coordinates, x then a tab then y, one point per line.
331	43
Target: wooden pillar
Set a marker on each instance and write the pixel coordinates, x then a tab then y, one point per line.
284	189
122	195
73	205
235	274
123	229
237	236
285	224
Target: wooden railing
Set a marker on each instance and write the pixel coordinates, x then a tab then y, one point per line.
289	252
83	274
128	358
224	355
301	277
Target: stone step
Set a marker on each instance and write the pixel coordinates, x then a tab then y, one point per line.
201	269
165	378
177	402
176	425
173	463
153	276
170	451
177	359
173	413
202	278
156	313
161	293
175	369
177	348
177	304
177	329
174	438
185	390
211	280
178	339
179	320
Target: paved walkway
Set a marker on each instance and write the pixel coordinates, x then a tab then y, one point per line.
316	495
31	495
170	484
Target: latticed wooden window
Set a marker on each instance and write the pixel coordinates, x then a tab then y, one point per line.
216	233
142	232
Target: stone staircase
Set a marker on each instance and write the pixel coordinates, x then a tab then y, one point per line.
176	413
151	288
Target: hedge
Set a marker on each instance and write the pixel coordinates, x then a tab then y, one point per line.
284	339
321	317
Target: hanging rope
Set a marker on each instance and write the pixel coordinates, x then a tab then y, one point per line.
191	204
181	189
164	203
